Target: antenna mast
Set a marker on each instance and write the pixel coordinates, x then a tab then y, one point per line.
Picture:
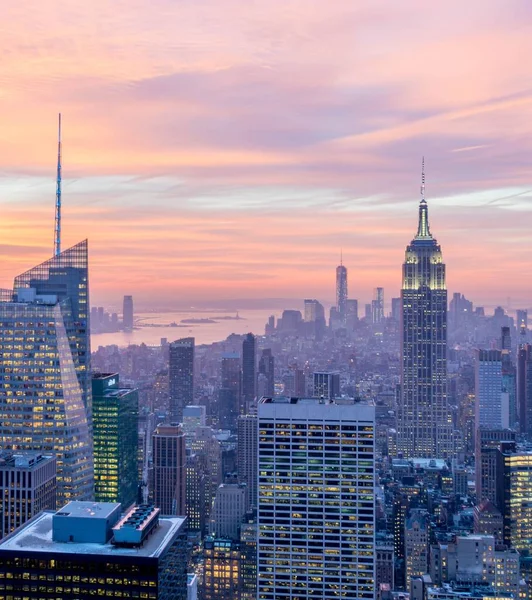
423	180
57	235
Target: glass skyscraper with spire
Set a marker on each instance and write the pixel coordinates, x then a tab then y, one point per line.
45	391
424	424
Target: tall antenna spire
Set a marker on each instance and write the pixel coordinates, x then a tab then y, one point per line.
57	236
423	231
341	257
423	180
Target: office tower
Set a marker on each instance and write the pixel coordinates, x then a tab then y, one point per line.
193	417
315	318
230	391
509	384
269	328
367	313
524	388
209	449
492	410
116	440
247	455
326	385
47	317
169	469
228	510
477	560
316	512
514	495
69	554
267	369
248	561
396	309
195	493
180	377
460	310
377	306
399	512
127	313
221	568
416	545
488	520
424	423
27	486
290	321
487	445
384	568
352	312
521	321
341	292
249	376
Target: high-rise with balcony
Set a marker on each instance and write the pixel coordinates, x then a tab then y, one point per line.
424	421
45	392
181	377
316	515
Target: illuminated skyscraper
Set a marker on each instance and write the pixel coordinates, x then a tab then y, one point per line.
181	377
45	394
341	292
514	495
116	440
316	508
424	425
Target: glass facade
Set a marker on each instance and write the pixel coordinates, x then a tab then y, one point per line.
115	429
45	401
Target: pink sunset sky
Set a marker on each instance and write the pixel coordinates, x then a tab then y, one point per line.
229	149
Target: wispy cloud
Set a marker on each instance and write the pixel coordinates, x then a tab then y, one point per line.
224	147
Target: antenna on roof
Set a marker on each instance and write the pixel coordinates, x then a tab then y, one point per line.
57	233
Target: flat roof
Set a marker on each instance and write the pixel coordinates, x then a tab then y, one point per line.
36	536
89	510
312	401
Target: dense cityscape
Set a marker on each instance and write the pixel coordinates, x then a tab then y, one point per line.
277	347
361	454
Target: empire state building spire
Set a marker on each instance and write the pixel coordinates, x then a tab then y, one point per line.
423	231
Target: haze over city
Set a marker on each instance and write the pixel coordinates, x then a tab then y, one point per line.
232	149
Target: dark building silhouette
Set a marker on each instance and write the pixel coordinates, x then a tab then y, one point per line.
249	376
341	292
524	388
169	470
180	377
266	373
230	392
127	312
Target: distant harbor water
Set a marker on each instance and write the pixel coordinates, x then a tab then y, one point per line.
206	327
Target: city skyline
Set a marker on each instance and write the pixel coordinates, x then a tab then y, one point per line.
223	137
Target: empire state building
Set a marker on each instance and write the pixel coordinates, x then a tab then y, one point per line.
424	423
